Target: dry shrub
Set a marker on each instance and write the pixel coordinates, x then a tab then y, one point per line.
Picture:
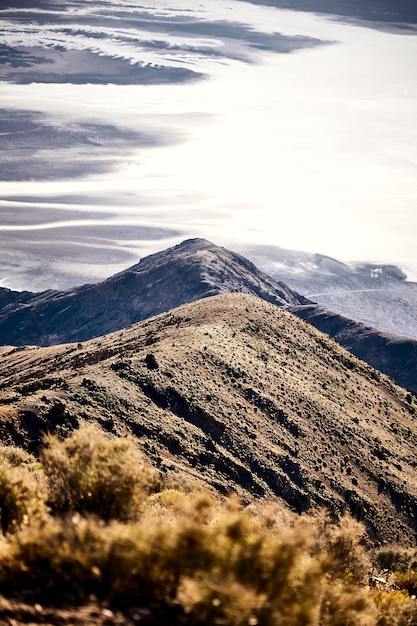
406	581
90	473
186	555
389	605
54	562
219	568
67	560
76	558
22	493
17	457
346	606
256	577
277	576
396	609
198	506
208	601
405	614
395	559
344	543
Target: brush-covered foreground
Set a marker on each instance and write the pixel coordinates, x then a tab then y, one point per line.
91	524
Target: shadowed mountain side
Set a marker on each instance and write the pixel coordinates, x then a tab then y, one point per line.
192	270
391	354
8	296
239	394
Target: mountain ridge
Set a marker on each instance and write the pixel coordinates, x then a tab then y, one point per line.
189	271
240	394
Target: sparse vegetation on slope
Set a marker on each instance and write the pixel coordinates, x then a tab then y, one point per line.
239	394
391	354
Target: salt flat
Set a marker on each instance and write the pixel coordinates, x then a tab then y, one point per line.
246	124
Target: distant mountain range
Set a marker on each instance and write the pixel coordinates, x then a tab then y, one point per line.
190	271
240	395
376	294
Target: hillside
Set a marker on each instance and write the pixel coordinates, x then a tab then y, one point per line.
192	270
239	394
389	353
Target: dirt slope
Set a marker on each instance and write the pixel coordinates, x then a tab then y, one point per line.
240	394
389	353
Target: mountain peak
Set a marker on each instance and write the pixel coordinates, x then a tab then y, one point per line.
194	269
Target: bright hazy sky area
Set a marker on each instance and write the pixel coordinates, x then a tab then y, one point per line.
313	150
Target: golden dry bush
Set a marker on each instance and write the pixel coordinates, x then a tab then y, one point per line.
17	457
387	602
395	608
199	506
62	561
116	536
71	559
394	558
406	581
206	600
22	490
346	605
251	575
91	473
344	543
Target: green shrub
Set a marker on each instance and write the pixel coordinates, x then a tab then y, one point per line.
90	473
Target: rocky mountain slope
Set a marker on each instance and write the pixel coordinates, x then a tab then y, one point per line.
389	353
240	394
194	269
